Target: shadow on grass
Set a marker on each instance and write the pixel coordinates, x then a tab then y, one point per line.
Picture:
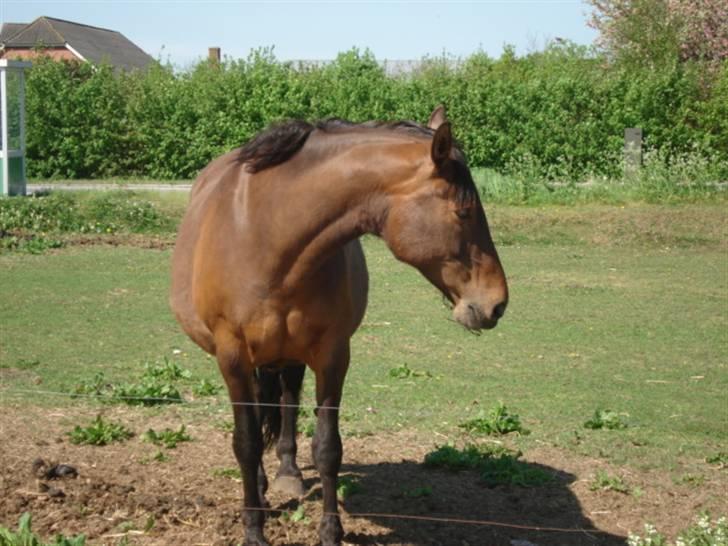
409	488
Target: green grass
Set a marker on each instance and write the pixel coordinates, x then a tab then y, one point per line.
620	307
24	536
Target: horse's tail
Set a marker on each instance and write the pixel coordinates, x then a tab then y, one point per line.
269	396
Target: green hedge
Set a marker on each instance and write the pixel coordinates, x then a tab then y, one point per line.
562	107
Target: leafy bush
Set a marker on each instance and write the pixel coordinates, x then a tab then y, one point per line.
565	107
64	212
25	536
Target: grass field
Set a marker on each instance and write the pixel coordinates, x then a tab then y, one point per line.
612	307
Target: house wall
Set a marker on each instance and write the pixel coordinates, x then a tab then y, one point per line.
27	54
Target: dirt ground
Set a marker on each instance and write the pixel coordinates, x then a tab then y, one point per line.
121	496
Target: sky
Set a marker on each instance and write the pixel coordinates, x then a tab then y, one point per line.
181	31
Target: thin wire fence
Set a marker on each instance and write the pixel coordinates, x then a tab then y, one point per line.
367	515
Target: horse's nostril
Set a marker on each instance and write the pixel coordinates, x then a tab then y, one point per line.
498	311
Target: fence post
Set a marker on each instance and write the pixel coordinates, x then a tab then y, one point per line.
632	150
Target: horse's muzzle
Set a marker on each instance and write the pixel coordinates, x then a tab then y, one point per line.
473	317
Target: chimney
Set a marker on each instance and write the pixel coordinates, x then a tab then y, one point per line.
213	55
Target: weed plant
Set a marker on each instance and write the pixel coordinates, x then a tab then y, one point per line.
604	482
347	486
703	532
496	465
24	536
99	433
498	421
606	419
168	438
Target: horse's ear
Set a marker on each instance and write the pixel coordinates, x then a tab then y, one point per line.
437	118
441	144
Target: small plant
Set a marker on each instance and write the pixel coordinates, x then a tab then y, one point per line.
168	438
99	433
232	473
604	482
167	370
206	388
608	419
148	393
25	536
98	386
225	426
405	372
418	492
720	459
159	457
704	532
497	465
347	486
297	516
498	421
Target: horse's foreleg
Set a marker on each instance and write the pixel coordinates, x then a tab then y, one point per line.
247	445
289	479
327	450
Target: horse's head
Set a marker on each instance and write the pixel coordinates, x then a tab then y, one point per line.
436	223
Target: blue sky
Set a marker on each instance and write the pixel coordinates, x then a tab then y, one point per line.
181	31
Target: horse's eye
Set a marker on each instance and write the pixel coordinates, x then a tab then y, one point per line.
463	214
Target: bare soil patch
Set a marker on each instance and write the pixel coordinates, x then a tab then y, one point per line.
121	493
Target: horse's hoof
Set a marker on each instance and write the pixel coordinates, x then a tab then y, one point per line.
331	532
255	541
289	485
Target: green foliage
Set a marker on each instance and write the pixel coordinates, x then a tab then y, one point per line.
27	222
720	459
498	421
497	465
25	536
99	433
704	532
232	473
167	370
168	438
206	388
157	385
604	482
605	418
347	486
418	492
405	372
564	108
148	392
297	516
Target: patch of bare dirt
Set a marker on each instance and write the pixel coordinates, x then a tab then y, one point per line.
122	493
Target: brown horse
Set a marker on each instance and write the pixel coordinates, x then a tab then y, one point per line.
268	274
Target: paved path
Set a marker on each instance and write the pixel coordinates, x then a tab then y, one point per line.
34	188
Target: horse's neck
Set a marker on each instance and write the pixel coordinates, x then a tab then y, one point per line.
325	205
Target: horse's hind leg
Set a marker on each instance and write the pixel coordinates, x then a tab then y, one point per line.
289	480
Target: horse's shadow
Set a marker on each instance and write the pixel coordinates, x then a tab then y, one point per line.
410	489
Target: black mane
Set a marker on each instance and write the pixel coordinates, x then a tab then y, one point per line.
280	142
275	145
